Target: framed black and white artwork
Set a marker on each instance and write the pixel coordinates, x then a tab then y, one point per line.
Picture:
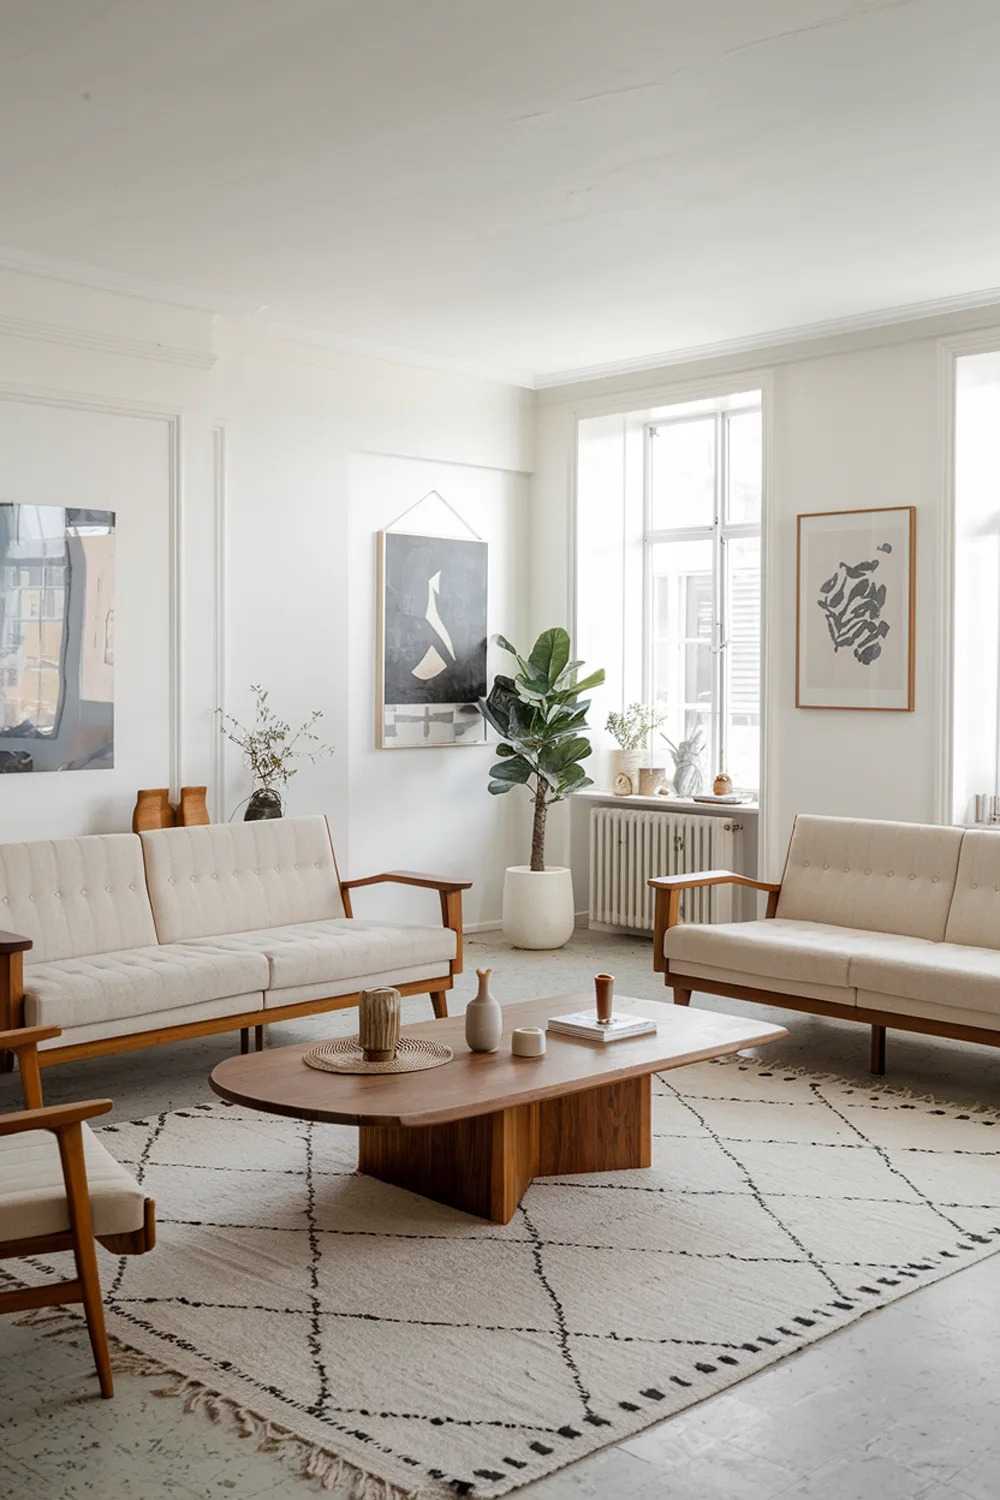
855	609
432	641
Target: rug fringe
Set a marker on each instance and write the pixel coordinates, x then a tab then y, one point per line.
307	1461
876	1086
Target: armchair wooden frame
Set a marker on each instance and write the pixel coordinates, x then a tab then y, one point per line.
65	1121
13	948
668	890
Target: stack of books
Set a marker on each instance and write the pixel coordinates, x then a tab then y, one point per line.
584	1023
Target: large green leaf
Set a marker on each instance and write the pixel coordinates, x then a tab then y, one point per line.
564	752
497	788
516	770
594	680
550	653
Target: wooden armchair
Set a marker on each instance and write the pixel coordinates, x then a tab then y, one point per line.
48	1202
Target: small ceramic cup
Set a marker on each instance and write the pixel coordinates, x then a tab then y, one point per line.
527	1041
604	987
378	1024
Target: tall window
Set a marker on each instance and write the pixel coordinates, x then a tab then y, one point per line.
701	555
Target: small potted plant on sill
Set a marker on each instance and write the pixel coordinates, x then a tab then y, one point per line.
269	749
631	729
540	718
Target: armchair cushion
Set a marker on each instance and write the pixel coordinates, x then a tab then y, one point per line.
138	981
33	1197
806	952
344	948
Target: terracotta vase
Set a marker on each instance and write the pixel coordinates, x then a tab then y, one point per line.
378	1023
604	997
152	809
192	809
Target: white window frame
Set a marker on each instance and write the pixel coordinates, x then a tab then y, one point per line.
720	532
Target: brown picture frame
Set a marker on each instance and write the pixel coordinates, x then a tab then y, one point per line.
909	610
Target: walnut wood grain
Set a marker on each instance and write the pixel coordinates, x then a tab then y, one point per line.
476	1083
709	877
607	1129
408	877
12	942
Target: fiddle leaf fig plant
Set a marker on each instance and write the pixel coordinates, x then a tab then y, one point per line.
539	716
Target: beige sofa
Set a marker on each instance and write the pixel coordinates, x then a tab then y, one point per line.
124	940
890	924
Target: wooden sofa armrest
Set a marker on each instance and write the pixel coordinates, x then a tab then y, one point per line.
22	1043
24	1037
449	891
668	889
408	877
55	1117
12	942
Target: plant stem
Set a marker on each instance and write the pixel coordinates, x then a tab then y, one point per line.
538	826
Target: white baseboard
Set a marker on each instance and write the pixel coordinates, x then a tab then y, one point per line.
581	920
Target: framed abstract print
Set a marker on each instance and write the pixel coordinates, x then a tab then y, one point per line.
855	611
432	641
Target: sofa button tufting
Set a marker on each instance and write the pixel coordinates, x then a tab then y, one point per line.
890	874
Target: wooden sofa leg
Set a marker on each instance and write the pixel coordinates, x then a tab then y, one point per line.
877	1055
6	1062
439	1000
244	1040
681	997
258	1034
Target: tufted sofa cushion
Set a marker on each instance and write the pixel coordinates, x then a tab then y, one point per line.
240	877
947	976
974	918
317	953
803	952
33	1194
76	896
110	986
879	877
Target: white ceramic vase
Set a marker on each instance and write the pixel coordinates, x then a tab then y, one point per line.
538	909
483	1017
625	765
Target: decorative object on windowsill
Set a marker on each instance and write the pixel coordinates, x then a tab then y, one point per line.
483	1017
527	1041
378	1023
540	718
722	786
728	799
631	729
432	633
855	612
652	780
687	762
987	808
269	749
604	997
343	1054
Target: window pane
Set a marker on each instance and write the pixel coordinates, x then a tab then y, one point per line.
745	467
683	474
681	657
742	662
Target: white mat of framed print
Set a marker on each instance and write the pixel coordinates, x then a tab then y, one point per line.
432	641
855	609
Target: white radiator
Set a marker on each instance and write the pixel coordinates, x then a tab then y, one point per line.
628	847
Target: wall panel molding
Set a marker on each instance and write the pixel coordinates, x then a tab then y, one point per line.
106	343
221	528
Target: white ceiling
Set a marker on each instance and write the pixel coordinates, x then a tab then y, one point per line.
524	187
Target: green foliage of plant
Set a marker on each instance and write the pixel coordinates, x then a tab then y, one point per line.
633	727
272	744
540	718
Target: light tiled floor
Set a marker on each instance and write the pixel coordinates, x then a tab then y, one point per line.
900	1406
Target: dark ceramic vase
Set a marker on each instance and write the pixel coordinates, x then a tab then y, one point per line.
263	804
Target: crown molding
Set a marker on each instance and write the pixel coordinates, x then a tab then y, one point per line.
105	343
910	312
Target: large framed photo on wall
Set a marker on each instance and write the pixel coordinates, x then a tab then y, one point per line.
855	609
432	641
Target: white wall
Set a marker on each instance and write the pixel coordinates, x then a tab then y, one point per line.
852	422
265	450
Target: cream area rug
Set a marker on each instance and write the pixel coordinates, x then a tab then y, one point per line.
371	1335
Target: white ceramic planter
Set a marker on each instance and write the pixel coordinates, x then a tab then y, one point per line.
538	909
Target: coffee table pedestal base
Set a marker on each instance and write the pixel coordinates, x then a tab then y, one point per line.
485	1163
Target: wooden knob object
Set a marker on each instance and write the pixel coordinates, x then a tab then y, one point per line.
604	987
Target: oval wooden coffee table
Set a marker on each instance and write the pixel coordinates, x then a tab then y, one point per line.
475	1132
